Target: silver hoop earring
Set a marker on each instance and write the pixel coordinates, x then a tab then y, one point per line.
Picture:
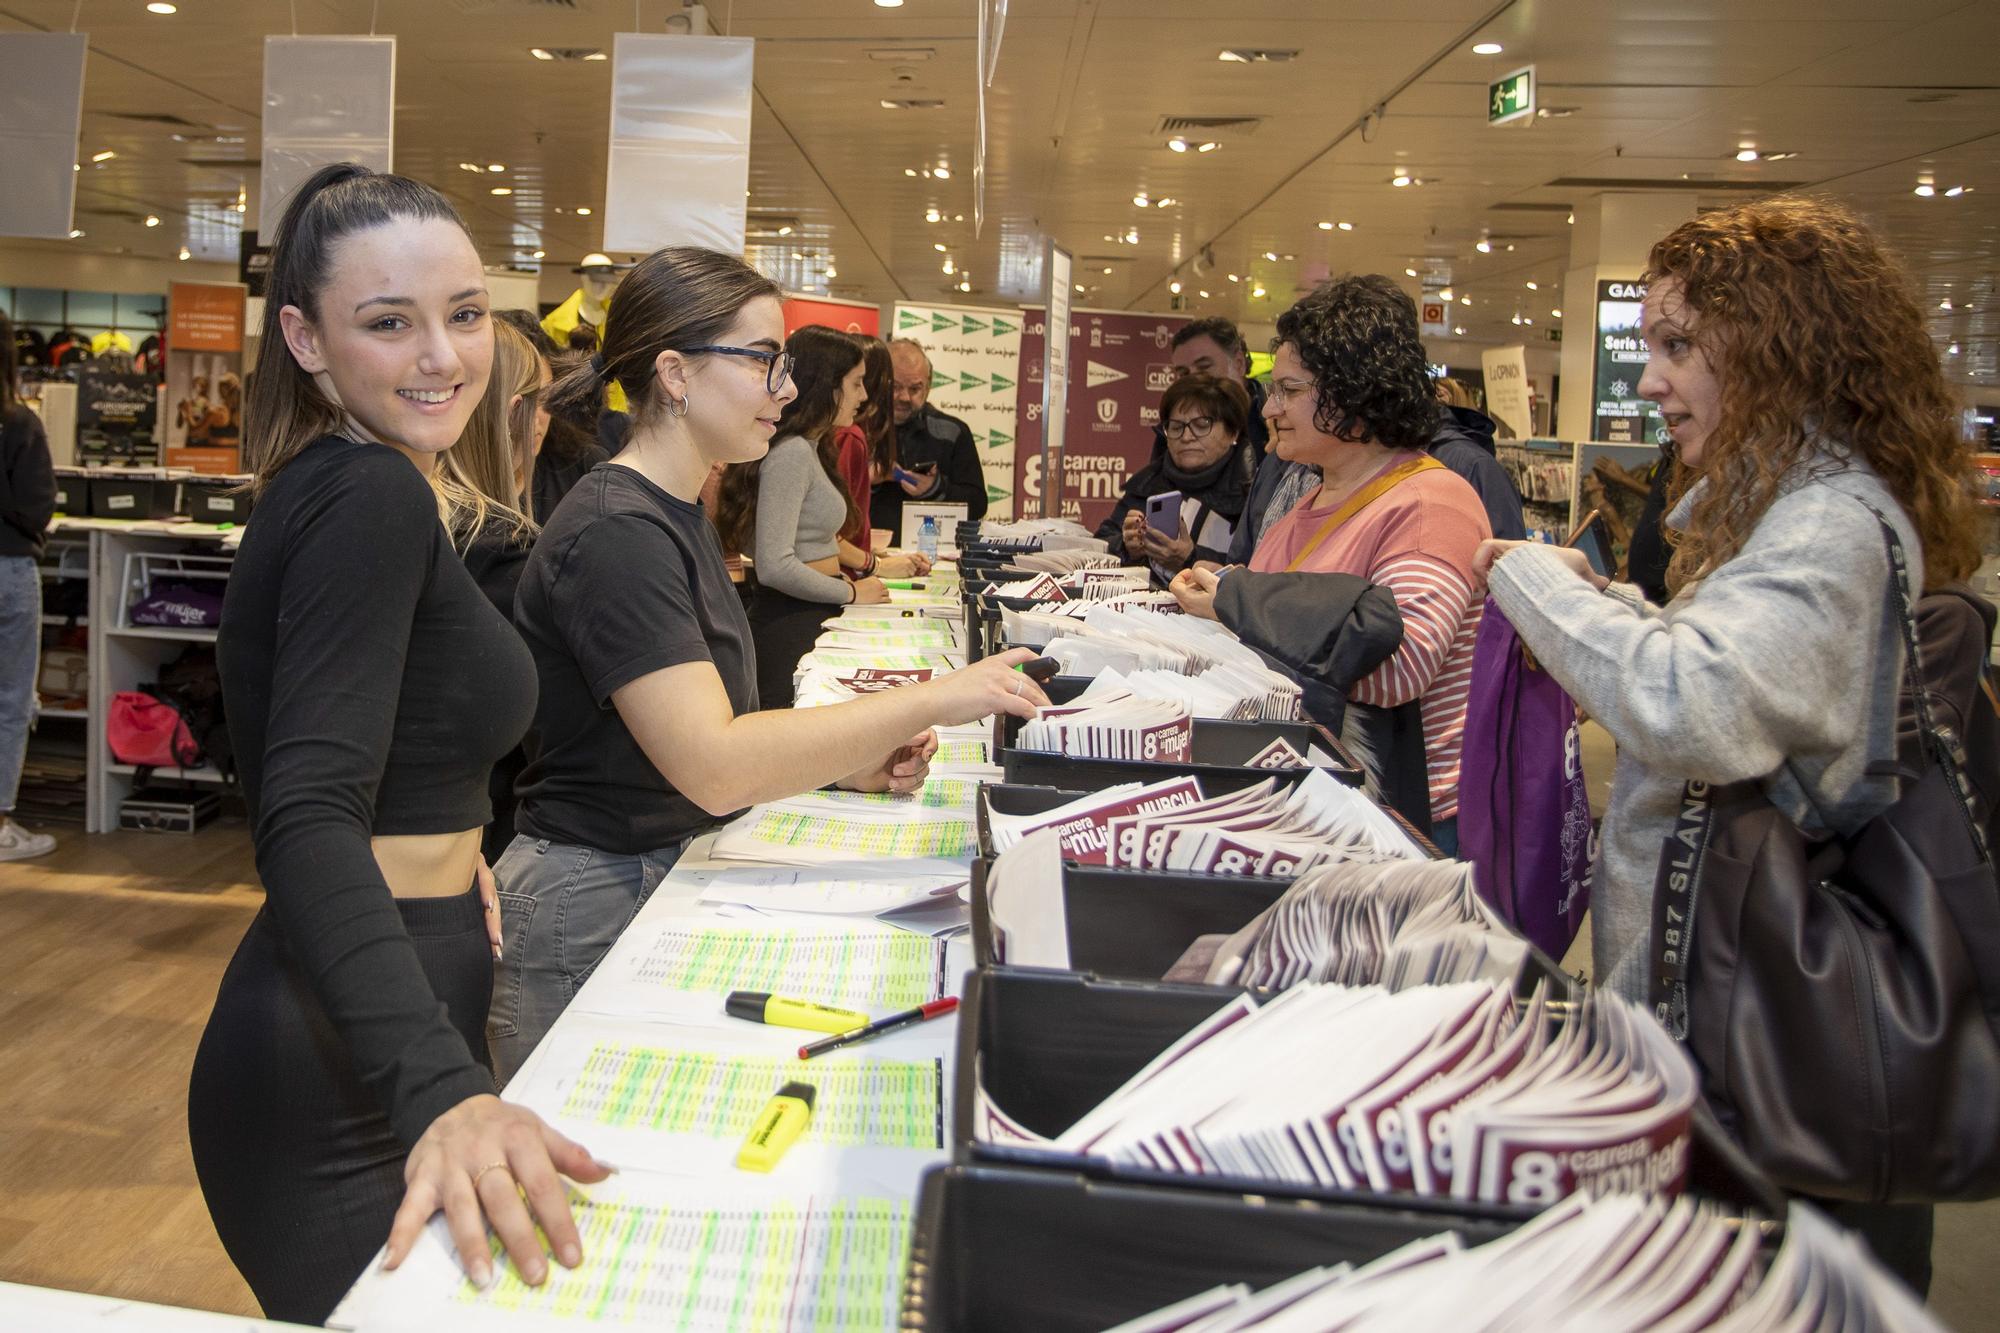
680	403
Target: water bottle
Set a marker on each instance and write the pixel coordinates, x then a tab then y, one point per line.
927	538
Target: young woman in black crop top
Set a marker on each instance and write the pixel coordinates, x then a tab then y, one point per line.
647	725
341	1095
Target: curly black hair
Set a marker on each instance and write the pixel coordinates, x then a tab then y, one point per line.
1357	336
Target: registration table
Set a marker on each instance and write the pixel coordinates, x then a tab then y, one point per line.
848	900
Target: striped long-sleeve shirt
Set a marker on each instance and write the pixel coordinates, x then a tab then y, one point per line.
1417	541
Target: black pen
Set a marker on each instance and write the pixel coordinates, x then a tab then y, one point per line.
922	1013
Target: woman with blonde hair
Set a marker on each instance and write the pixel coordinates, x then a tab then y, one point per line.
1789	360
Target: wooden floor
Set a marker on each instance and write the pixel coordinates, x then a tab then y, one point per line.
110	953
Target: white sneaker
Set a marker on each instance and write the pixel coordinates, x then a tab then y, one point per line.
17	844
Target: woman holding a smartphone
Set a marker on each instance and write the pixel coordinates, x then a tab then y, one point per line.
1184	505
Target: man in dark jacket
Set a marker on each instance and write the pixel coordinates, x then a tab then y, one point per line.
936	448
1464	443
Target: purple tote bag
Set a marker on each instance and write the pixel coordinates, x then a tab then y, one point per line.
1523	809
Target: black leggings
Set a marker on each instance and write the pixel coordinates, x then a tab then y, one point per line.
784	630
300	1169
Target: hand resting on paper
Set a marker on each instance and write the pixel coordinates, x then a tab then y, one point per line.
1493	549
903	771
477	1161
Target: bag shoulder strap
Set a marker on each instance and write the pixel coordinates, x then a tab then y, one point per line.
1359	501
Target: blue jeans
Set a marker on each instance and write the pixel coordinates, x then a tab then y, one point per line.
562	907
20	663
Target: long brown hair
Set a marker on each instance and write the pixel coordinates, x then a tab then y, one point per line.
7	370
821	359
878	414
287	411
1814	331
484	476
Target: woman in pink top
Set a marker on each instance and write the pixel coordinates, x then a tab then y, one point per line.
1351	395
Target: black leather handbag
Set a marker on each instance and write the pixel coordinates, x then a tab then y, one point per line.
1842	996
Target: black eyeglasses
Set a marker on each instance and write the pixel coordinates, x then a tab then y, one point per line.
1193	427
777	365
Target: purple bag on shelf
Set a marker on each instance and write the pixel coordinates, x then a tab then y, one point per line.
1523	809
178	606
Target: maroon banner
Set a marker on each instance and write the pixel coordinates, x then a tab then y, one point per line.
1119	367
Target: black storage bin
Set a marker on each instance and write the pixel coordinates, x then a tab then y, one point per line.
72	491
216	499
997	1251
113	496
1217	755
1053	1045
1132	925
1010	799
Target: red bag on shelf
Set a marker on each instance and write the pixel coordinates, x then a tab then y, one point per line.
149	733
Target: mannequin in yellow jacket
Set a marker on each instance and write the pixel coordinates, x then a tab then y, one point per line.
588	305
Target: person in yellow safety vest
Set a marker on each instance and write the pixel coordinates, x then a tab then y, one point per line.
588	305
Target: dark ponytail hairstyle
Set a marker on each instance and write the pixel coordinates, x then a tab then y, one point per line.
286	410
680	297
821	359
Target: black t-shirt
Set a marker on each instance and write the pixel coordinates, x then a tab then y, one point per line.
370	687
625	580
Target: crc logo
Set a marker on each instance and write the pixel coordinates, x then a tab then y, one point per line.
1161	336
1159	377
1625	291
1107	410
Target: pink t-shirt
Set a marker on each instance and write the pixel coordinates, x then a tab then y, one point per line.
1417	541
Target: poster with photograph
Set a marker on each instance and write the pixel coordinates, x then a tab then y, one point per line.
975	355
1622	416
1120	363
115	411
204	426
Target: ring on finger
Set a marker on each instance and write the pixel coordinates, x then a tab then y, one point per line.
1019	683
476	1175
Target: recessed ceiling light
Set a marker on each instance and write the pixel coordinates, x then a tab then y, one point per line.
1166	203
1178	145
942	173
1202	294
500	190
785	230
583	212
1555	314
152	221
1925	189
1107	271
1534	286
958	217
1445	295
949	267
1326	226
1945	304
1460	330
496	166
965	285
1345	226
1079	286
1271	255
1400	179
541	254
888	4
909	171
185	253
1232	277
938	246
1140	201
1175	286
1483	246
1487	49
1779	157
1465	300
1949	351
1517	319
1257	292
75	233
1206	147
104	156
597	55
162	7
541	53
1747	155
1132	236
1409	273
1956	191
932	215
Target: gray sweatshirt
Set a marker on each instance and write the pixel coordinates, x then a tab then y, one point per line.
799	513
1783	665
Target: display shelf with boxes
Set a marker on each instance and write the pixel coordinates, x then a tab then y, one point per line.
54	782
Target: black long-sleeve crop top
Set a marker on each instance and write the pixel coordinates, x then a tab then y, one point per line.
370	687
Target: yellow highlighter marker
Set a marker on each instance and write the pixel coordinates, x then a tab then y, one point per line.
777	1127
761	1007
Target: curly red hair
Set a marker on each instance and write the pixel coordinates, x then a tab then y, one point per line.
1814	331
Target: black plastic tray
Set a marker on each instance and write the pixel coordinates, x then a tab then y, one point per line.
998	1251
1218	753
1132	925
1052	1045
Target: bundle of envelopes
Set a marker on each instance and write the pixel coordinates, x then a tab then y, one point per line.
1113	726
1229	691
1397	923
1614	1265
1446	1090
1049	534
1063	561
1131	636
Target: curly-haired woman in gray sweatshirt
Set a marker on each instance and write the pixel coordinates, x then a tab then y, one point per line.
1788	356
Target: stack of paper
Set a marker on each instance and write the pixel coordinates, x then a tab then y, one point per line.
822	828
846	661
1129	637
1394	923
1118	727
1437	1090
1048	534
1230	691
1618	1264
1083	826
1053	561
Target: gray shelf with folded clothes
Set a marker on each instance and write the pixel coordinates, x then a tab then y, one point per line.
176	577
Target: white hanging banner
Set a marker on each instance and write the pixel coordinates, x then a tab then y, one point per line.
679	165
1506	371
326	100
41	113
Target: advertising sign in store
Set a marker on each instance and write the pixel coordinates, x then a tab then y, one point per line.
115	410
847	316
976	358
1622	416
1058	368
1120	367
205	376
1507	402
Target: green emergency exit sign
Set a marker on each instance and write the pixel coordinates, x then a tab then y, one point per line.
1511	98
